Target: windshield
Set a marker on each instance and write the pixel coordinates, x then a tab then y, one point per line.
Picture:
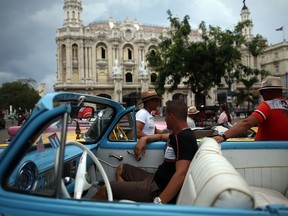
100	123
87	121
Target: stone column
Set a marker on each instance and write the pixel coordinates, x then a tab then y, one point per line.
90	63
86	62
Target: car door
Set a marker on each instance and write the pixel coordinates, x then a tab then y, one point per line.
118	147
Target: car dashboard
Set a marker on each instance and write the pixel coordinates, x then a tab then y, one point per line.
36	171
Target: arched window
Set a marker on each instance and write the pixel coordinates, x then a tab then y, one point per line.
101	51
63	52
128	77
153	77
74	51
153	52
128	52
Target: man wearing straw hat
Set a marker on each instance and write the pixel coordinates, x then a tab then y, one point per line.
271	116
144	119
192	111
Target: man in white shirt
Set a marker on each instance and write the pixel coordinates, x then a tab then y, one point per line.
144	119
192	111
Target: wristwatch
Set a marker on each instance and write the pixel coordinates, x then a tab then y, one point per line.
157	200
223	136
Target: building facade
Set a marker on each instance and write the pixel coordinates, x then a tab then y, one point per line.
275	60
108	58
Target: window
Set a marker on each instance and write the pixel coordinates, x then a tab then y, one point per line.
63	52
276	68
128	77
276	55
124	130
128	52
153	77
74	51
101	51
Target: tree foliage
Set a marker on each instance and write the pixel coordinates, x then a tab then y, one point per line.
19	94
201	64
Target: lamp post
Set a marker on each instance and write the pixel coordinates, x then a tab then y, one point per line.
229	80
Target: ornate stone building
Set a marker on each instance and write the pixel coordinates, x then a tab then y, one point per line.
107	58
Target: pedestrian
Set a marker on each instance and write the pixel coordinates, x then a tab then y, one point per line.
192	112
225	116
271	116
139	185
145	124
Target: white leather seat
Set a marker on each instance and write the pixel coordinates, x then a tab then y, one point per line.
212	181
264	196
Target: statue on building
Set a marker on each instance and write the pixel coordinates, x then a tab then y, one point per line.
116	69
143	68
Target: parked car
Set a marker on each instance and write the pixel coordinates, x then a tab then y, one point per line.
40	170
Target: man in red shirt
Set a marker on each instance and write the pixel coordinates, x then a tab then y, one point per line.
271	116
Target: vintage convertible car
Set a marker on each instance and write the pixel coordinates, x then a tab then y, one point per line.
46	172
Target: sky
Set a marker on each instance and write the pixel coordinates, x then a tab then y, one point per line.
28	28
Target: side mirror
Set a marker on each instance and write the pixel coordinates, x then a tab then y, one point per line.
82	112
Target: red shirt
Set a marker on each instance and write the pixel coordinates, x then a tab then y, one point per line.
273	120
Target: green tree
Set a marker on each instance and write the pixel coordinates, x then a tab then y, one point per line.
249	78
19	94
199	65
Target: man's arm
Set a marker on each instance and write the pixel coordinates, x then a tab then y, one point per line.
239	128
139	128
140	147
176	181
158	131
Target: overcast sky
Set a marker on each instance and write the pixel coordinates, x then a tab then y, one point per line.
28	27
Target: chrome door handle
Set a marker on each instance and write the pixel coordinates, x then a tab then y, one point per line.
119	157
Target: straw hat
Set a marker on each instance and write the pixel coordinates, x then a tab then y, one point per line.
192	110
148	95
271	82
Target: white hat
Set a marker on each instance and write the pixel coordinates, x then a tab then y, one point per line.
271	82
192	110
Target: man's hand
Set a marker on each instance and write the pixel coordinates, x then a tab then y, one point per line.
219	139
140	148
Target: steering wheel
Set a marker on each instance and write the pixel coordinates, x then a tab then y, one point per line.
83	181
